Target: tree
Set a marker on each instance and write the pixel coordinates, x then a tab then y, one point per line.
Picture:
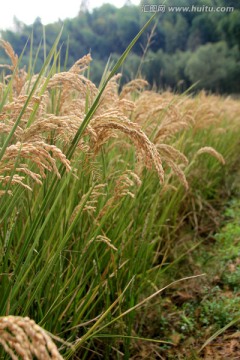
204	29
230	28
84	7
212	65
176	33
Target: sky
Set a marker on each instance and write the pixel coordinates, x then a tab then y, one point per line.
48	10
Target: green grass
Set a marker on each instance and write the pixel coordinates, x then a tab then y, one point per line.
195	316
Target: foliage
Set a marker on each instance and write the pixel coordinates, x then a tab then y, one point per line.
208	312
220	67
179	39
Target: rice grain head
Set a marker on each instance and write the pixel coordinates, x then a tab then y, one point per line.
123	187
41	154
211	151
22	337
18	76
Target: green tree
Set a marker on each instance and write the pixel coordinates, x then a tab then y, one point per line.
230	28
204	29
212	65
176	33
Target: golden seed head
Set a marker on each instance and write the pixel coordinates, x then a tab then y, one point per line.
20	336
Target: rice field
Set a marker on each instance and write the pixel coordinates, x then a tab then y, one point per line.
96	188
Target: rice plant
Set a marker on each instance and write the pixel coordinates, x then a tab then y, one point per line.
94	186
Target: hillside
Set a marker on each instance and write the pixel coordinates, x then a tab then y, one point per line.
182	48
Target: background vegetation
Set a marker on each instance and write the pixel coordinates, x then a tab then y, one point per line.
184	47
